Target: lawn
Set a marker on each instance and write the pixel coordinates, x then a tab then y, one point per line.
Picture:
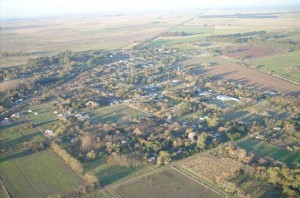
265	149
285	64
167	184
114	114
38	175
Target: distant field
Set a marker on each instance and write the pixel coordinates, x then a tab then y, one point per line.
114	114
265	149
38	175
234	72
167	184
285	64
47	36
250	52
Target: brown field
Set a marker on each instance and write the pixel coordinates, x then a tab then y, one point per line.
46	36
241	74
212	168
250	52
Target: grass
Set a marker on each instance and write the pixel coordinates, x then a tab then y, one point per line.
168	183
176	41
281	64
17	138
45	113
265	149
114	114
38	175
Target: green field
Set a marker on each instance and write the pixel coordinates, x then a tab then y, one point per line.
45	113
265	149
108	174
15	138
281	64
38	175
114	114
168	184
172	42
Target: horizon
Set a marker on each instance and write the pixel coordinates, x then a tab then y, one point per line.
12	9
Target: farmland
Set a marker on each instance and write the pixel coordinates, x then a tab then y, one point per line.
39	175
251	52
285	64
265	149
168	183
17	138
212	168
237	73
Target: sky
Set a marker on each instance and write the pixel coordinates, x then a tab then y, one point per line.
34	8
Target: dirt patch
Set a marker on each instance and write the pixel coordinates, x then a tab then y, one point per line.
251	52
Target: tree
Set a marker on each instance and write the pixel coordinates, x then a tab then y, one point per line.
201	140
163	158
91	154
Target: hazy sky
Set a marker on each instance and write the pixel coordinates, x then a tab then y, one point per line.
25	8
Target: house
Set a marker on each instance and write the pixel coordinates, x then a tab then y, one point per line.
15	115
29	111
151	159
55	112
50	132
226	98
36	113
277	128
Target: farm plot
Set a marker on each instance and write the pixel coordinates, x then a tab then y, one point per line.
250	52
114	114
109	174
261	148
38	175
40	113
212	168
231	71
16	138
168	184
285	64
255	187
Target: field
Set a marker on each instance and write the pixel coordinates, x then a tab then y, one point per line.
168	184
234	72
38	175
285	64
211	168
16	138
48	36
264	149
251	52
114	114
109	174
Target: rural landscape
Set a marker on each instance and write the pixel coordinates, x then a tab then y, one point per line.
164	103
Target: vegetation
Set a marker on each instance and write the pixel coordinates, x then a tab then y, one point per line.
38	175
